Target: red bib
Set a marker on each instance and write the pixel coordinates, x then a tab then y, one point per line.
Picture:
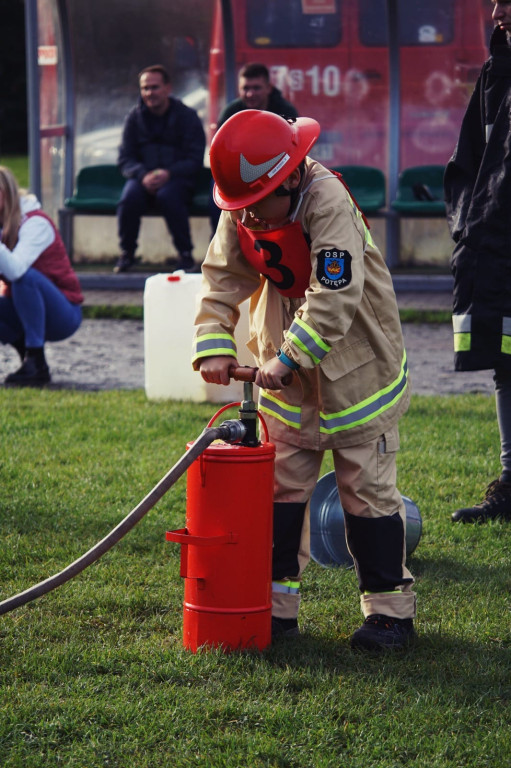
282	255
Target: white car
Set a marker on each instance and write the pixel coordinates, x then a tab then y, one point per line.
102	145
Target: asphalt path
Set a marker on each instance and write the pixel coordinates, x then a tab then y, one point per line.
109	354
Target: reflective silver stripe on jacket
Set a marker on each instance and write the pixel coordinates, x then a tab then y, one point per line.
286	587
307	340
369	408
289	414
214	344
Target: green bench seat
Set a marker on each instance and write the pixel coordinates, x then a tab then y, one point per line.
420	192
99	189
367	185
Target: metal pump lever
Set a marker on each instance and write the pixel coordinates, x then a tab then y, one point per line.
247	373
248	409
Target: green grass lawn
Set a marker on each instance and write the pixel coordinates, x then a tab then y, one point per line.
94	674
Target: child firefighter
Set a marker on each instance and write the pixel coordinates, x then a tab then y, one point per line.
322	307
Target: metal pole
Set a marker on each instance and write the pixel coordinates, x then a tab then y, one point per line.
69	99
34	146
393	226
230	59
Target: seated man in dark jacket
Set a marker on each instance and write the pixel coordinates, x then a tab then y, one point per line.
161	153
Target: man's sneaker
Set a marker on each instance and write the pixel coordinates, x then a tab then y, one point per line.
284	628
124	262
380	633
495	506
184	261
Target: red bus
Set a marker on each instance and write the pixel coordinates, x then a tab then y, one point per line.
331	59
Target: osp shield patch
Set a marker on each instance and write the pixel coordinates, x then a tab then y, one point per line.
334	268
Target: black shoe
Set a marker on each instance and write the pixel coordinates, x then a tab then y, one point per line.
195	270
495	506
184	262
379	633
124	262
33	373
284	628
19	346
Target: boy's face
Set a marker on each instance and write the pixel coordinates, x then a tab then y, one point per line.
273	209
268	212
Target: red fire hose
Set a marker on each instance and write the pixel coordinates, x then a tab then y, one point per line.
230	431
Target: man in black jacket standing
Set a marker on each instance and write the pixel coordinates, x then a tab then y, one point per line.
478	195
255	92
161	153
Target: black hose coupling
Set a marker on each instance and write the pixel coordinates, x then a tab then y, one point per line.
232	431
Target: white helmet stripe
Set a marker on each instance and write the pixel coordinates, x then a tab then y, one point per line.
249	172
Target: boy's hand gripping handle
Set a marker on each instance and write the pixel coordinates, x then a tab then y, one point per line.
247	373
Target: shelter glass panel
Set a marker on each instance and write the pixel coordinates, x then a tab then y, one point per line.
293	24
420	23
110	49
51	105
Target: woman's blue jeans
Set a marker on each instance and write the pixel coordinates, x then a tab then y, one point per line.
37	311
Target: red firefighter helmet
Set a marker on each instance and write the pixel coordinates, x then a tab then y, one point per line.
253	152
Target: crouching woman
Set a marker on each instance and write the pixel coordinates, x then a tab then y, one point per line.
40	295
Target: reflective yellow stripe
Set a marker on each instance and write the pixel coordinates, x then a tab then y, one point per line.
462	327
369	408
368	238
286	587
462	342
307	340
288	414
214	344
352	417
506	345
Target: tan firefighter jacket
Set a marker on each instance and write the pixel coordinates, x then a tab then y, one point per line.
352	384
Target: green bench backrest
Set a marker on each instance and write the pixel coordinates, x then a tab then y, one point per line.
99	187
431	176
99	181
202	194
367	185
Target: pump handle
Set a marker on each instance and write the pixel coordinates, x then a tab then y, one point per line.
247	373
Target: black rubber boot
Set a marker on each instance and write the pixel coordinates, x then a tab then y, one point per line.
380	633
34	371
496	505
284	628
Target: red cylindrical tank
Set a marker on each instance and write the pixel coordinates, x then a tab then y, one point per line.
226	548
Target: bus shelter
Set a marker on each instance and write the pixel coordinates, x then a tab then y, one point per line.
83	57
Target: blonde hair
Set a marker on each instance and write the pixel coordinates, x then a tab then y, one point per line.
12	208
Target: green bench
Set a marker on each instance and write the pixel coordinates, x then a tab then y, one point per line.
367	185
98	191
420	192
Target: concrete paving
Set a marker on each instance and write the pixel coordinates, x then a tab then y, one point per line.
109	354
